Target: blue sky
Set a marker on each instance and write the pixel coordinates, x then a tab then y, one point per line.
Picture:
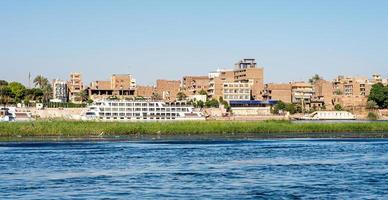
168	39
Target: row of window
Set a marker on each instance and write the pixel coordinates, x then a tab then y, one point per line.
146	109
138	114
142	104
129	118
242	97
236	91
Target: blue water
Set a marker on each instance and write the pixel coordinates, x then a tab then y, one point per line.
246	169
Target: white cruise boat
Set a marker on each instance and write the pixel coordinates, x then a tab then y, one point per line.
127	110
329	115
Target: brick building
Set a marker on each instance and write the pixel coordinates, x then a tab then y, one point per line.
192	85
277	91
120	86
247	71
144	91
75	87
168	89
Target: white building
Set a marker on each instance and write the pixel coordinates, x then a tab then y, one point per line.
60	91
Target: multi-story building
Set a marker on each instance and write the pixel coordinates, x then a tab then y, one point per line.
349	86
75	86
352	92
144	91
302	93
60	91
247	71
120	86
324	91
236	91
216	82
192	85
277	91
168	89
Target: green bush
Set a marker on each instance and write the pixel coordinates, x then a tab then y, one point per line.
373	116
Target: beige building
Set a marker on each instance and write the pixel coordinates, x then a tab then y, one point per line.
352	92
302	93
192	85
144	91
168	89
247	71
120	86
216	82
324	90
236	91
277	91
75	86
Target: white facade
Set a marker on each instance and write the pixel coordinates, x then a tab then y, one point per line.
141	111
236	91
330	115
60	91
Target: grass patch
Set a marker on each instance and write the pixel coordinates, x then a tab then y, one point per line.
88	128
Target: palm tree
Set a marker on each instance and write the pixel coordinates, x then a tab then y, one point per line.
314	79
83	95
40	81
156	96
181	96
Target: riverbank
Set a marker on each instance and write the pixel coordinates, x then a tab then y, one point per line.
264	129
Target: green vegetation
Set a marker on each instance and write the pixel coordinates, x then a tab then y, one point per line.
212	103
181	96
15	92
338	107
373	116
269	128
371	105
315	78
282	107
379	94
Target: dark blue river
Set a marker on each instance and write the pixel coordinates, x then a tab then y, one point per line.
204	169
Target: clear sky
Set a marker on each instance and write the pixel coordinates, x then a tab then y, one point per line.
168	39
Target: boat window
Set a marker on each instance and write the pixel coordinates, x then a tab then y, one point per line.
121	104
144	104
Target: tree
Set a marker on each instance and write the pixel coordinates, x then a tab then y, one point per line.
371	105
156	96
314	79
372	116
40	81
379	94
200	104
202	92
181	96
3	83
83	96
213	103
5	95
338	107
17	90
34	94
279	107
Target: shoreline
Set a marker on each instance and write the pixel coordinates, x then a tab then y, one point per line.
189	130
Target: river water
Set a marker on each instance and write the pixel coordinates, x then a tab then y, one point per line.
200	169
